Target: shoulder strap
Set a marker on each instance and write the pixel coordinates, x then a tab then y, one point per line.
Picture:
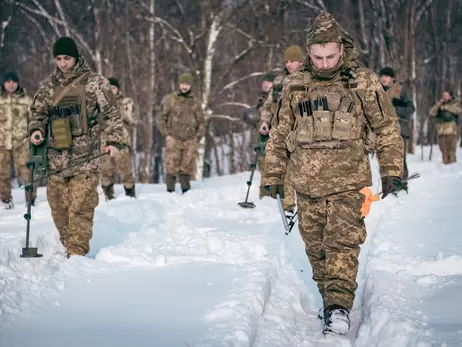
67	88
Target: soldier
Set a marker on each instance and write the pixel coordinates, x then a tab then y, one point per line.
293	61
327	111
252	117
14	118
67	108
404	108
446	112
123	163
181	121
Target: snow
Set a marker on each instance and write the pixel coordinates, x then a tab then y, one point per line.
198	270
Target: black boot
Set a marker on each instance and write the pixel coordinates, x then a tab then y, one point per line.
130	191
336	320
170	181
184	181
109	192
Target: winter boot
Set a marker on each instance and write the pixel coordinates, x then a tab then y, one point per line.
109	192
184	182
130	191
170	181
8	204
336	320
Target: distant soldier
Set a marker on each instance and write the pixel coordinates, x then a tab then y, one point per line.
293	61
447	112
68	108
14	118
404	108
181	121
122	163
252	117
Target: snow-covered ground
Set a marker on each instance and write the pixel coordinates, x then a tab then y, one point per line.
198	270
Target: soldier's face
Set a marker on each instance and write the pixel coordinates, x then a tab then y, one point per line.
114	89
65	62
293	65
266	86
386	81
185	87
446	96
325	56
10	86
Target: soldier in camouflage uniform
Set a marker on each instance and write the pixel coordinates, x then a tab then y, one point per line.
122	164
326	112
447	112
68	108
181	121
293	61
14	118
253	119
404	108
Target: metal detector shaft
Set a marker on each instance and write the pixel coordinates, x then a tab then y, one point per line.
283	214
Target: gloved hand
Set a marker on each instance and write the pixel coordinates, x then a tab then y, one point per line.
391	184
277	188
398	102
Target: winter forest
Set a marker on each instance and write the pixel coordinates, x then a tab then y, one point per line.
228	45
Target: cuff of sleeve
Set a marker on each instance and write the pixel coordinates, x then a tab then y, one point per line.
117	145
391	170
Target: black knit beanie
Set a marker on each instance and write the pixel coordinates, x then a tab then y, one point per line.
65	46
387	71
269	77
11	76
113	81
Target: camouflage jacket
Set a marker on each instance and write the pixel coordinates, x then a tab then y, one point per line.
319	170
269	108
181	117
14	118
404	110
446	115
98	95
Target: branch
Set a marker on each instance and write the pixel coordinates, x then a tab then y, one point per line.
61	14
222	116
421	11
232	84
313	7
232	103
47	15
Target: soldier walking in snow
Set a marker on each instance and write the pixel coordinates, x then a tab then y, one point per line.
404	108
68	108
181	121
123	163
446	113
293	61
14	118
326	111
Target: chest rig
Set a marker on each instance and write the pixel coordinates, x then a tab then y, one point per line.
329	114
68	112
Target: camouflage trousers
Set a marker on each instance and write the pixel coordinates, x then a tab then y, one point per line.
180	156
288	203
73	202
110	166
448	148
20	158
333	230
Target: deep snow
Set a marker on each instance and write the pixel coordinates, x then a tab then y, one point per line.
197	270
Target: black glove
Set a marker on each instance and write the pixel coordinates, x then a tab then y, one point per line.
276	189
391	184
398	102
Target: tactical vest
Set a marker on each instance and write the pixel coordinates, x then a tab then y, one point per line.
68	113
330	116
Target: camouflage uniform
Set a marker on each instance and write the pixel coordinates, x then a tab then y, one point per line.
181	120
122	164
14	118
72	194
446	115
404	108
323	152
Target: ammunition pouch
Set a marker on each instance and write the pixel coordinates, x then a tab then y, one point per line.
66	123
